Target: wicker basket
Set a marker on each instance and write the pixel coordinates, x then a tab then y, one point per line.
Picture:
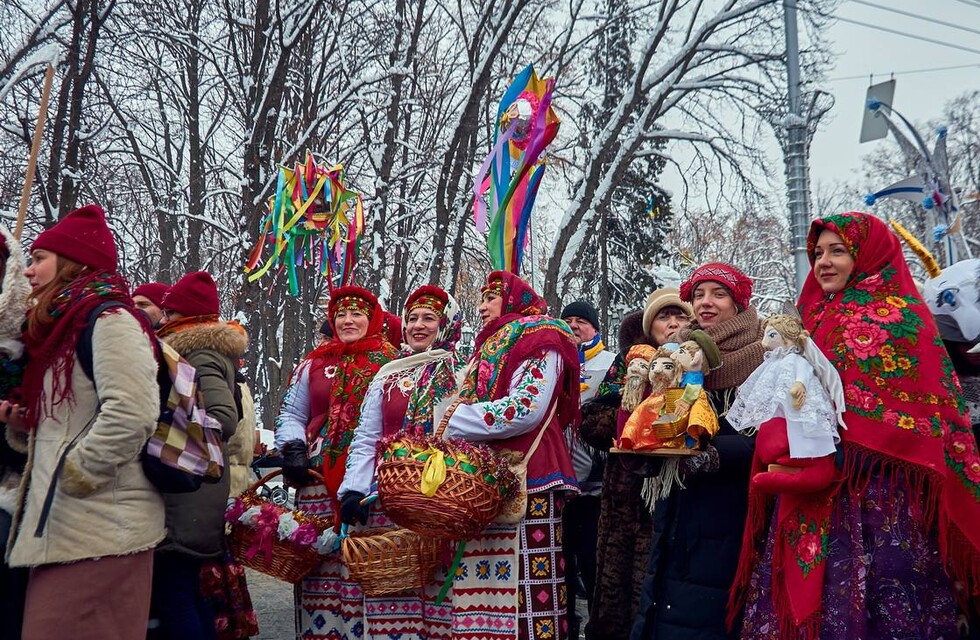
462	506
386	561
288	562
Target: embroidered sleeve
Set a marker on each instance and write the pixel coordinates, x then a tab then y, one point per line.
530	392
294	414
361	456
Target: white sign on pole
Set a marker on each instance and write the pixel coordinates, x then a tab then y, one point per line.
873	126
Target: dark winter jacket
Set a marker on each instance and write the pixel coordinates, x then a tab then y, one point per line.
696	542
195	521
625	526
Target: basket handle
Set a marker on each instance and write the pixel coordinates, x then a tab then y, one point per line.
278	472
450	410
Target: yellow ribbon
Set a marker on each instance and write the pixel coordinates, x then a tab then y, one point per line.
434	472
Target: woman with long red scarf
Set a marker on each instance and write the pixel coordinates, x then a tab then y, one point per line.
524	377
869	558
87	518
314	430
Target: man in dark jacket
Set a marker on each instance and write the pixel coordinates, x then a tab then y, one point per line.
195	521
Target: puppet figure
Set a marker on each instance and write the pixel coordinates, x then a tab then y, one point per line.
682	418
664	374
637	369
794	400
696	356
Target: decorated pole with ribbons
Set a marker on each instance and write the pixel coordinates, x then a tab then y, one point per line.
314	218
511	174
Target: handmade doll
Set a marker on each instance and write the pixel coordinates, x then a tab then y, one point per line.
795	400
682	418
663	374
696	356
637	370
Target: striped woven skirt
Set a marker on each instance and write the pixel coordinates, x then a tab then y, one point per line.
510	583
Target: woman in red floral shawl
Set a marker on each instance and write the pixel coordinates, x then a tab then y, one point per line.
871	560
524	377
314	430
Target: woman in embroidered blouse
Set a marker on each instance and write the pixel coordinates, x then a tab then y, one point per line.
524	376
868	561
314	430
404	395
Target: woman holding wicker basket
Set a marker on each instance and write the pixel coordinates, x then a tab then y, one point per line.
314	430
406	397
520	394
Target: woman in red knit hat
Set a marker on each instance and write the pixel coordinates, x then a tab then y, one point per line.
88	518
314	430
195	521
697	529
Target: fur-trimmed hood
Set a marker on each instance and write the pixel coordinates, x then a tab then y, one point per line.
13	298
227	338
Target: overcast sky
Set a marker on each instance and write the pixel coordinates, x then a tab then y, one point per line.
862	51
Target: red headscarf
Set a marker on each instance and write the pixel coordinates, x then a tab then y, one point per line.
519	300
352	366
904	408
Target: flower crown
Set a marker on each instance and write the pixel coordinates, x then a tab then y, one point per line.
495	287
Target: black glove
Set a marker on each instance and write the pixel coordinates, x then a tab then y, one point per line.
295	463
351	509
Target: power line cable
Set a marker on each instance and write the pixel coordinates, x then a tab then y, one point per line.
970	3
906	72
893	31
918	16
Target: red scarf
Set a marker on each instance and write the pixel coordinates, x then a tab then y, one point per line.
519	300
351	368
904	408
52	346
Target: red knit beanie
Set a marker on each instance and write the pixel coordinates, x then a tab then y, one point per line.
737	283
195	294
152	291
82	236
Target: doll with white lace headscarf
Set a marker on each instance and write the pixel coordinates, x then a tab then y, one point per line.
795	382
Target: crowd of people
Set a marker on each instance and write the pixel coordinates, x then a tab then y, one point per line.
888	547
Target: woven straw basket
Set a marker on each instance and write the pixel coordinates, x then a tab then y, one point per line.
386	561
288	562
462	506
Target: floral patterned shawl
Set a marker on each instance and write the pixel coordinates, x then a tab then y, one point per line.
521	332
431	374
904	407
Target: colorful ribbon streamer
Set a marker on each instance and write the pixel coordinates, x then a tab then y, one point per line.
511	173
313	219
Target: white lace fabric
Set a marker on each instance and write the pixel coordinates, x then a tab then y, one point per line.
812	429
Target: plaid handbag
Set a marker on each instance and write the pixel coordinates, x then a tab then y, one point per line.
186	440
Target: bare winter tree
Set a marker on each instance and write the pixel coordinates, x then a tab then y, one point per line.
698	77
